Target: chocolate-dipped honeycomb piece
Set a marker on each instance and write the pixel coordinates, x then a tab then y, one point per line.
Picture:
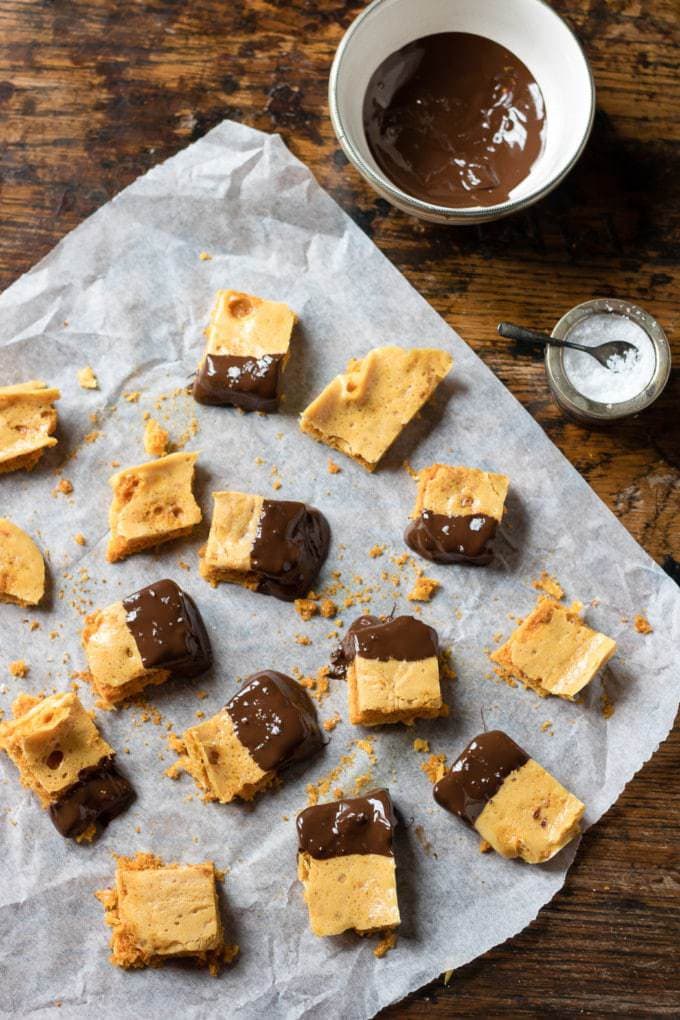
163	911
346	865
268	724
22	568
247	348
273	546
509	799
392	670
153	634
456	514
152	503
62	757
553	651
28	421
363	410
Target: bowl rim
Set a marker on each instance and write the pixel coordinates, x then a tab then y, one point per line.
597	411
383	184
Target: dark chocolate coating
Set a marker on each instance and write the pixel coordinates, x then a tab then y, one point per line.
275	720
455	119
168	629
99	794
400	637
443	539
239	381
363	825
291	544
478	774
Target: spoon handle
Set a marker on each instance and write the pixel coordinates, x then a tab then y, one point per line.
532	336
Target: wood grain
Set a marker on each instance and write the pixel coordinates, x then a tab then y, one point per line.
95	92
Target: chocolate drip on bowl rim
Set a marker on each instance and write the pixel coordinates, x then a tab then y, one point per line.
478	774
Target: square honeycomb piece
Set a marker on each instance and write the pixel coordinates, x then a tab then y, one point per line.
22	568
62	757
514	804
158	911
152	503
28	420
246	352
363	410
553	651
346	865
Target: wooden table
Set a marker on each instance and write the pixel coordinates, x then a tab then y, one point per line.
94	92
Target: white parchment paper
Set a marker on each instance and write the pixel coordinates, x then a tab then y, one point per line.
127	293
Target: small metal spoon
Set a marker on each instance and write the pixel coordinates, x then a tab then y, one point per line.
602	353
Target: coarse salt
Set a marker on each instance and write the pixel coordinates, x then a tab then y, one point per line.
626	375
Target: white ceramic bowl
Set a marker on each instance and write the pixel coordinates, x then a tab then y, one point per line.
529	28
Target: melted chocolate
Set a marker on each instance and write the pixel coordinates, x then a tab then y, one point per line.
168	629
275	720
245	382
442	539
478	774
99	794
454	119
363	825
291	543
401	637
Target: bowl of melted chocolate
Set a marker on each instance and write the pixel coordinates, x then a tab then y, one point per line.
461	111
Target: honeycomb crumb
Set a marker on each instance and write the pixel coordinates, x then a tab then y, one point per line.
205	257
306	608
318	686
79	538
484	847
333	468
642	625
435	767
302	639
323	787
387	942
87	380
362	781
549	585
376	551
18	668
276	484
63	486
547	725
409	470
421	746
423	590
606	705
330	724
155	439
132	397
328	609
